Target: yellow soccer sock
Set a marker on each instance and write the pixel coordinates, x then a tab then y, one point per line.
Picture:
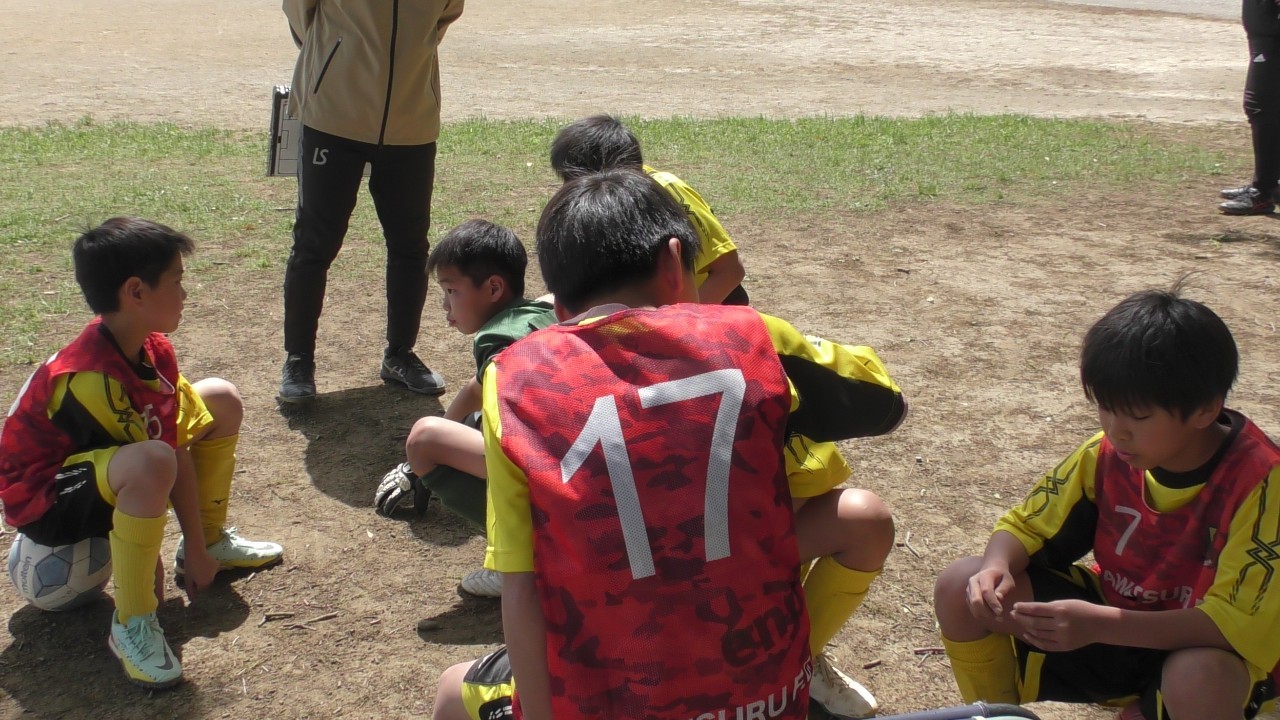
985	669
832	592
135	545
215	461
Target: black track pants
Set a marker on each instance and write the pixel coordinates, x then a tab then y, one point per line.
1262	107
329	172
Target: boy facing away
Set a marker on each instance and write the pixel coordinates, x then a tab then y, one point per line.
107	433
480	267
1178	498
855	526
602	142
639	507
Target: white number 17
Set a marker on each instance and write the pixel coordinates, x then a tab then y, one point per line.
604	428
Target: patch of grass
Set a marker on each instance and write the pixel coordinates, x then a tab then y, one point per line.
56	180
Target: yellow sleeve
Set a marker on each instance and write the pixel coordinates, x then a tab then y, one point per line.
837	391
1242	601
714	241
1057	520
90	405
510	521
813	468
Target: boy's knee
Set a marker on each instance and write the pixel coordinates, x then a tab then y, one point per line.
147	465
449	704
423	435
223	400
950	590
1192	676
873	517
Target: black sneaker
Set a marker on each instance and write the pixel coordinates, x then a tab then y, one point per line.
1249	202
404	367
298	379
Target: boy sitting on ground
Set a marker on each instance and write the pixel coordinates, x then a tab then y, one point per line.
480	267
107	433
854	529
1178	498
640	512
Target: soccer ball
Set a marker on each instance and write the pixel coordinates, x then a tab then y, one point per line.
62	577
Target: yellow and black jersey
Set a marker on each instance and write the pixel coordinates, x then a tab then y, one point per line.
714	241
1209	538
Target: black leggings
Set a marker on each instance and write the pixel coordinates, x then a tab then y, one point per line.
329	175
1262	107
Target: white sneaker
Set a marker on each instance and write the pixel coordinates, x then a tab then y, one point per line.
837	693
143	651
232	551
482	583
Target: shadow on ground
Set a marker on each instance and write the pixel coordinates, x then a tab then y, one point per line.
58	664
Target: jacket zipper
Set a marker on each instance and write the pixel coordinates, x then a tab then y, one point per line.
327	62
391	68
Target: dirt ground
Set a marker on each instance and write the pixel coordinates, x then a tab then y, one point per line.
976	312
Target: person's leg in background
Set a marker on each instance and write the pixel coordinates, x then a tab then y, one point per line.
329	172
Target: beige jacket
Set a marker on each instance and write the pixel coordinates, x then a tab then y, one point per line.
367	69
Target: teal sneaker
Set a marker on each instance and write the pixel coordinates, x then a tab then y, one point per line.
232	551
143	652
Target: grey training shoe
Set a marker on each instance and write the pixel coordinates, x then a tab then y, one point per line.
298	379
406	368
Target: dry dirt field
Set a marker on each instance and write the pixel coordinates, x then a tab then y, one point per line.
976	312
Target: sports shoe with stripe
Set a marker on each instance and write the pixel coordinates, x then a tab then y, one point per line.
837	693
143	651
482	583
232	551
1249	201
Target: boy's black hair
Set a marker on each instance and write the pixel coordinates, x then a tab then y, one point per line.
1158	349
605	231
592	144
479	249
121	248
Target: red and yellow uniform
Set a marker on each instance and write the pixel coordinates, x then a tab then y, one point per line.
635	467
84	402
1208	539
73	414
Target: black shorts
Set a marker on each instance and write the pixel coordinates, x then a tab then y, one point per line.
82	503
1098	673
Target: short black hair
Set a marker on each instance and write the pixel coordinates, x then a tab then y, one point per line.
1157	348
479	249
118	249
605	231
592	144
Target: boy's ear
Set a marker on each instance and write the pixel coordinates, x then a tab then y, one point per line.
131	291
495	286
676	281
1207	414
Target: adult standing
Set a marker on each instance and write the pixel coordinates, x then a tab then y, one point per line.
367	90
1262	106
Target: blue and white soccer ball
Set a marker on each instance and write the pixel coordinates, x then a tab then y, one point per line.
62	577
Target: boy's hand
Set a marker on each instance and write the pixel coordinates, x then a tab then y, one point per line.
1057	626
199	568
987	590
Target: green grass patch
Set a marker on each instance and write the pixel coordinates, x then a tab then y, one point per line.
58	179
